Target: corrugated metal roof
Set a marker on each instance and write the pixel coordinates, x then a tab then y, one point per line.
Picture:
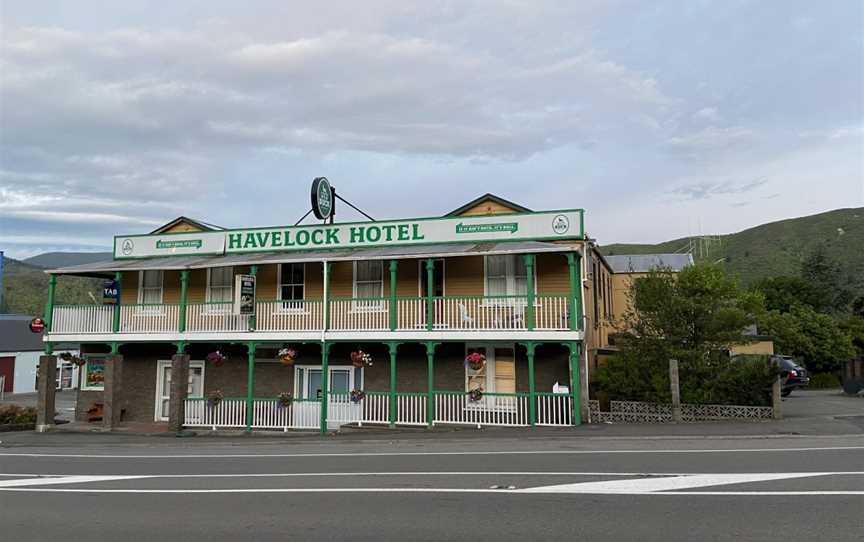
259	258
643	263
15	334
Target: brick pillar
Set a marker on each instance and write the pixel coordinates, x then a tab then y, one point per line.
179	390
113	392
47	388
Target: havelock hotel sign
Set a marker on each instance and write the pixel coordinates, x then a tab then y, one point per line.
542	226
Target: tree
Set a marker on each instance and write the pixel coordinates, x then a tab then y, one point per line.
692	316
781	293
817	340
825	275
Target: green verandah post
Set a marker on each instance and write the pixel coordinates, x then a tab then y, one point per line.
250	384
430	293
574	299
392	346
49	304
115	325
184	296
253	319
532	388
529	309
393	308
575	354
430	376
325	381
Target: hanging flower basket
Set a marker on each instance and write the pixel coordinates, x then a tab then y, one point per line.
360	358
216	358
287	356
475	361
475	395
284	400
357	396
72	358
214	398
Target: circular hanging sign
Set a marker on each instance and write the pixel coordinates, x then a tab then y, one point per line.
322	198
37	325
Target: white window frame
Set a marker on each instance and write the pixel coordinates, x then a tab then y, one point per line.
421	268
160	366
352	380
510	278
366	306
151	310
209	292
301	305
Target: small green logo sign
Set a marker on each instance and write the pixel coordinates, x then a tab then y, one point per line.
322	198
511	227
186	243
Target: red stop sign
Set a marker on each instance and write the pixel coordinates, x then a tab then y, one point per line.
37	325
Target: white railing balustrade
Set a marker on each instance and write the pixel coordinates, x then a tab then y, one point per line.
480	313
300	414
149	318
82	319
457	408
289	316
554	410
550	313
359	315
342	410
226	413
375	409
411	409
411	314
215	317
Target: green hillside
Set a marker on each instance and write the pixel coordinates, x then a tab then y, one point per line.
54	260
27	286
776	248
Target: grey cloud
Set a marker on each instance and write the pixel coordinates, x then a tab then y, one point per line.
709	189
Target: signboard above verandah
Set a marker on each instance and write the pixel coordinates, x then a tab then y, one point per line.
543	226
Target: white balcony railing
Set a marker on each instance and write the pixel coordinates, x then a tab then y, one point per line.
214	318
83	319
149	318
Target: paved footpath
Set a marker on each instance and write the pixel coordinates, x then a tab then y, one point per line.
449	486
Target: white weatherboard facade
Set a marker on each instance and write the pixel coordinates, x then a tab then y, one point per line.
550	225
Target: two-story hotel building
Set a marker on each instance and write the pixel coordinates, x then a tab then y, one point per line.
527	290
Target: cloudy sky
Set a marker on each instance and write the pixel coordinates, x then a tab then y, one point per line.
661	119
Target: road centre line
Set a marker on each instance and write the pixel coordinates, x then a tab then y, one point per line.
408	454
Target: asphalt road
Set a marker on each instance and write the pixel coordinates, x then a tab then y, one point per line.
441	487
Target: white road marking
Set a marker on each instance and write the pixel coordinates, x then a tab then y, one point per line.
654	484
398	454
414	490
27	482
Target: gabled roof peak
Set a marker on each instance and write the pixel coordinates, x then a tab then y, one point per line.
489	197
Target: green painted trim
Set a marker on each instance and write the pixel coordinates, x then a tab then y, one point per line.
115	324
430	382
532	385
430	293
325	382
181	347
578	291
575	354
326	294
115	348
394	315
253	318
48	349
581	235
250	384
529	309
49	305
574	298
184	294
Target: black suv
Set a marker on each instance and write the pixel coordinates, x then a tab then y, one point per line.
792	375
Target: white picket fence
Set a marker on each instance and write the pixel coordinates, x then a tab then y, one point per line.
555	410
82	319
453	408
359	315
227	413
289	316
149	318
266	414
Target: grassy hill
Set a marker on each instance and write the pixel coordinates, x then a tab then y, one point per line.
776	248
53	260
27	288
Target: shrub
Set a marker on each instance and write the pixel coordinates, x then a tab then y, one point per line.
824	381
16	415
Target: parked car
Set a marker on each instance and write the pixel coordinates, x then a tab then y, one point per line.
792	375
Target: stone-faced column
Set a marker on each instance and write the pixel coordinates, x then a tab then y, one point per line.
47	389
113	392
179	391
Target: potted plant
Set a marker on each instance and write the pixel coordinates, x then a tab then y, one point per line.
214	398
357	396
475	395
72	358
284	399
475	361
287	356
360	358
216	358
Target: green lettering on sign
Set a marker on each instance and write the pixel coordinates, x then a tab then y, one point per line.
511	227
187	243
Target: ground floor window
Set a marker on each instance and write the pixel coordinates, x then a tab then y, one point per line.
94	374
163	385
499	373
343	379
